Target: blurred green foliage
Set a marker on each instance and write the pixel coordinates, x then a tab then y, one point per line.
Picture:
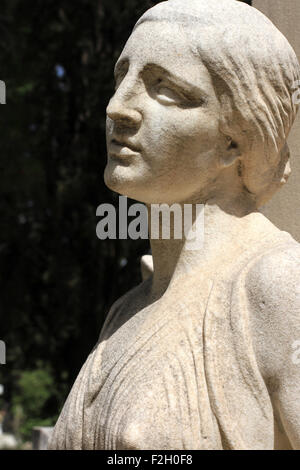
29	403
57	280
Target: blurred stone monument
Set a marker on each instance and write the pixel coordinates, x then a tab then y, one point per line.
7	441
40	437
284	209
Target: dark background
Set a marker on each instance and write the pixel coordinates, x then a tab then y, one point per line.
57	280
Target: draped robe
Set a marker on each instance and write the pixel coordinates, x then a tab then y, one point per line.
181	373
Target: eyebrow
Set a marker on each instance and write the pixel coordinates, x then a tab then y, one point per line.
181	82
169	75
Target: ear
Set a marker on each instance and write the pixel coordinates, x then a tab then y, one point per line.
231	153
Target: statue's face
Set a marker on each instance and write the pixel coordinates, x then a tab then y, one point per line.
163	138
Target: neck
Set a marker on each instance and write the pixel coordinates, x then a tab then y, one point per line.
174	258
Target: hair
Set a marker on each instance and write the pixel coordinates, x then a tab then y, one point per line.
255	71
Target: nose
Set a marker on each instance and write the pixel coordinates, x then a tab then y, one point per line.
117	112
123	108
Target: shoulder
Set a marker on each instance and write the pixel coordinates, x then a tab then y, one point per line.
124	305
273	294
276	271
275	276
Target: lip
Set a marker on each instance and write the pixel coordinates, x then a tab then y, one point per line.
122	147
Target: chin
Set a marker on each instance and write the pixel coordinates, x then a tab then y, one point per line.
119	183
126	182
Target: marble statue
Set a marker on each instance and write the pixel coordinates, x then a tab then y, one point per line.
201	354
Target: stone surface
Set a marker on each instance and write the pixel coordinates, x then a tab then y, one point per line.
40	437
284	209
201	354
146	266
7	442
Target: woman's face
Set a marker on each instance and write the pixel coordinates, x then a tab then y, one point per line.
163	138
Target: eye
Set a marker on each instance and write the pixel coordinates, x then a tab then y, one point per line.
167	95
